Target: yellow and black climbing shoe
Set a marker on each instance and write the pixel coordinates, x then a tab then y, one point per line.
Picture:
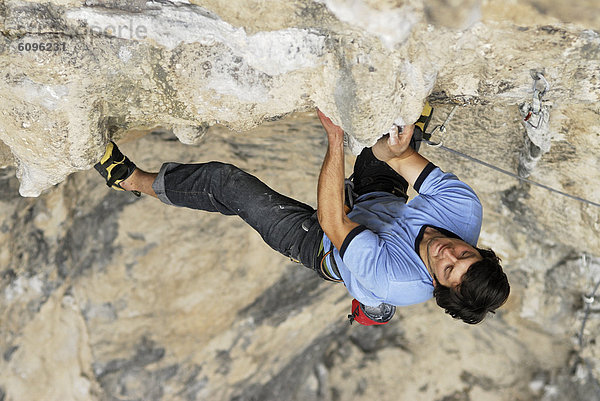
115	167
420	132
426	114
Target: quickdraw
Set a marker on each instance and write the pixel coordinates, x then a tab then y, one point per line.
441	128
540	87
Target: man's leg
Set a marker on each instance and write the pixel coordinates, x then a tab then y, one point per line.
286	225
140	181
373	175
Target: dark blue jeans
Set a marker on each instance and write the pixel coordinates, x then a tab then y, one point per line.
286	225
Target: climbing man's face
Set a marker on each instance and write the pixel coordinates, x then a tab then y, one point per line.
448	259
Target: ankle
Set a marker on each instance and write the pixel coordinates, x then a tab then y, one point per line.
129	182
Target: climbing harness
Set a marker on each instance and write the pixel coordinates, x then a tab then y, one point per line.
326	269
534	112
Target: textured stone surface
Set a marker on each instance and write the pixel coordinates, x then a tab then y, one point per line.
105	296
184	67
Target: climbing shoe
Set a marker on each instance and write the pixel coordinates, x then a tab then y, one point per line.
420	132
115	167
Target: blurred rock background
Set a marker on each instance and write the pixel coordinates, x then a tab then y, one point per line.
109	297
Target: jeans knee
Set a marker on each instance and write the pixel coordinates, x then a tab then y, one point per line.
225	167
227	174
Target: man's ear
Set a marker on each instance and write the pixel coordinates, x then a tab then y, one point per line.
435	281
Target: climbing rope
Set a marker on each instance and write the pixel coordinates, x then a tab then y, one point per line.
442	128
501	170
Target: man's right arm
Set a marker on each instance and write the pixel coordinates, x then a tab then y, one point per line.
394	149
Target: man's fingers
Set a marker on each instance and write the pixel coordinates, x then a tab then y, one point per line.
322	116
324	119
398	136
327	123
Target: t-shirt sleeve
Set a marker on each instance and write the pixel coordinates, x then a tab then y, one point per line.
433	182
423	176
366	255
355	231
450	197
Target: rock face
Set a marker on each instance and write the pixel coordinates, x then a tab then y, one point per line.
109	297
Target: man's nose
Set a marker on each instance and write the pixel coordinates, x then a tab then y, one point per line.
451	254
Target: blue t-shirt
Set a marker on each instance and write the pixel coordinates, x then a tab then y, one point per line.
379	260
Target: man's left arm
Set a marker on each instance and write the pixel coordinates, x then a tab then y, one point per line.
330	190
333	219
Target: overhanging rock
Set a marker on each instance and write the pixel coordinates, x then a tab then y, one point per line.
116	66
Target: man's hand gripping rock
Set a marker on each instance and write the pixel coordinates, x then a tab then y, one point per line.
395	145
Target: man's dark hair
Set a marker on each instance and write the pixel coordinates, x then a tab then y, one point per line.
483	289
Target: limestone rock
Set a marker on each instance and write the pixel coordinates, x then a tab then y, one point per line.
118	66
106	296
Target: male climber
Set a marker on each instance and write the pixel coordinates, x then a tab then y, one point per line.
387	252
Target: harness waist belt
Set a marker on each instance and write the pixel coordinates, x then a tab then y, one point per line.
329	270
333	266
